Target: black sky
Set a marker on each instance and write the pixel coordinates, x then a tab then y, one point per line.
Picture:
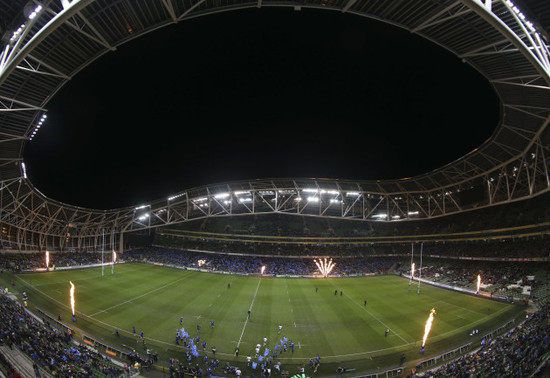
261	93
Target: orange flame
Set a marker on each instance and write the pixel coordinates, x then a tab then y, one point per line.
71	293
428	326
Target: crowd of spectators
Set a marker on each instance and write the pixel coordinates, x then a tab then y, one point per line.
518	353
252	264
538	247
498	277
23	261
50	348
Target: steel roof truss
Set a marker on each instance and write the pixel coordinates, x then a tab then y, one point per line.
444	15
531	39
191	9
170	9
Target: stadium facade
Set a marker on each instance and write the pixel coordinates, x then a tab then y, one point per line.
47	43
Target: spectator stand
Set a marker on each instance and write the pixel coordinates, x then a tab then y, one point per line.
520	351
42	348
67	329
460	351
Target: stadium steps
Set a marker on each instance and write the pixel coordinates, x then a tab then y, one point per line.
21	363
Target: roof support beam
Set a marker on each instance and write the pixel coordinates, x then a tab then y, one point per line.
184	14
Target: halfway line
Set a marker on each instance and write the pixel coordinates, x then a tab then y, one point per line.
250	309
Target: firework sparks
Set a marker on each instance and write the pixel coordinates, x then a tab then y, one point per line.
71	294
201	262
263	270
428	327
114	257
47	259
324	266
478	283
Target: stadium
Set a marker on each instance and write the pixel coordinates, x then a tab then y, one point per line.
440	274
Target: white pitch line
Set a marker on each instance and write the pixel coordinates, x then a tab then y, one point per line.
138	297
250	309
375	318
281	358
62	282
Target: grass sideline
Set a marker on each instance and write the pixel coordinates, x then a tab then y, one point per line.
323	317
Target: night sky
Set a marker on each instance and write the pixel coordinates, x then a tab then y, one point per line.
260	93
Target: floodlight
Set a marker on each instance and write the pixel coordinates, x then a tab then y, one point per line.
24	170
353	194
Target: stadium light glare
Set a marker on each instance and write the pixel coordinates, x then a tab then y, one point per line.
286	192
221	195
266	192
68	3
171	198
35	12
313	199
16	34
24	170
521	15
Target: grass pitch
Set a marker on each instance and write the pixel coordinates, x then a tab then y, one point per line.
322	317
